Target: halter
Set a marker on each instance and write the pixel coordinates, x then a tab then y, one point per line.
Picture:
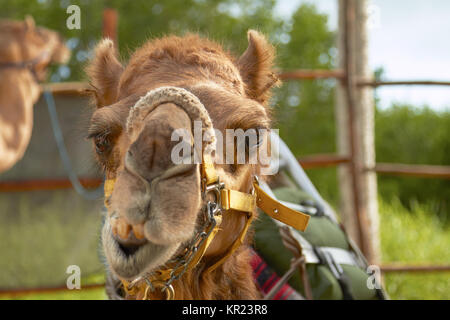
224	199
29	64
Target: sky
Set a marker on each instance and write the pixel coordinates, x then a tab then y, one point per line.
410	39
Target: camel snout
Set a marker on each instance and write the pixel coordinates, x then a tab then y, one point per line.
127	233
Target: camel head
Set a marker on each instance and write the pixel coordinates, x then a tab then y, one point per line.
23	41
156	205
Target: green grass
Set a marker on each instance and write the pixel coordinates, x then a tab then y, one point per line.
84	293
41	234
88	294
416	237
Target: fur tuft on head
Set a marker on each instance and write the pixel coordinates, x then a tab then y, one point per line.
104	73
256	65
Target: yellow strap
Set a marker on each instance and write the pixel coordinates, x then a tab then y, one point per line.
240	201
236	244
208	170
236	200
108	188
280	212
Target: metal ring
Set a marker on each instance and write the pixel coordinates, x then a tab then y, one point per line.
167	289
215	190
170	292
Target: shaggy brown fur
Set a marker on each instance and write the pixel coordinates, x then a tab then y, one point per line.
234	92
19	90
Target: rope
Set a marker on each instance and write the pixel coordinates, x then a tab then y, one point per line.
82	191
299	259
295	264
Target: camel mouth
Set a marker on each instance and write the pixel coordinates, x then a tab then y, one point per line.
128	249
130	245
129	258
137	241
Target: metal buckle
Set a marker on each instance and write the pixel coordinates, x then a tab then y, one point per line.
216	189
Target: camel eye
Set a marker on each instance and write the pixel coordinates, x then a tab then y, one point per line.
102	144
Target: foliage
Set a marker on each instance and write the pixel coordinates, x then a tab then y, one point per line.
414	236
407	134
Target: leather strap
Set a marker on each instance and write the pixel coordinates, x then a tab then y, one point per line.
236	200
280	212
108	188
209	174
236	244
244	202
29	64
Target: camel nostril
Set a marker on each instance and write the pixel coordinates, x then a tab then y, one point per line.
113	223
123	228
125	232
138	230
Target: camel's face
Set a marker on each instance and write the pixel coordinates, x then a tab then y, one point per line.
24	41
154	208
60	53
44	41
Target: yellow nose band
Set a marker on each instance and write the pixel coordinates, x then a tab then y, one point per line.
108	188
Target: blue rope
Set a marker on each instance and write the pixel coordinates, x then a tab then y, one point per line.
90	195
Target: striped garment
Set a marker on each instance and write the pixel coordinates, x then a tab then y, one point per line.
266	278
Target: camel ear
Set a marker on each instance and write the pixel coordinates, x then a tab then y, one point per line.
29	23
255	66
104	72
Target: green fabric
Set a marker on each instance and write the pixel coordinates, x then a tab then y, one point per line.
321	232
358	283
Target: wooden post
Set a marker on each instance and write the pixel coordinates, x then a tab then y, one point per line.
355	131
110	18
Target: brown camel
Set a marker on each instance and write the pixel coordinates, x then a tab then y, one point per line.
25	53
155	208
